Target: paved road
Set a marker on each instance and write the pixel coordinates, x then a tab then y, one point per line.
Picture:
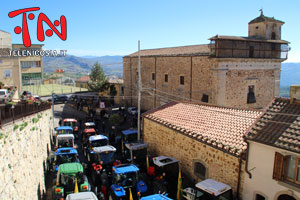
62	111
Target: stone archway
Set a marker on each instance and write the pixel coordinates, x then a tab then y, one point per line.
285	197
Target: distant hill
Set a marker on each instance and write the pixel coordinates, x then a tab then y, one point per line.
112	65
290	74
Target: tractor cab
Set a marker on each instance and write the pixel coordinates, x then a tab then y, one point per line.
64	130
82	196
65	140
94	141
89	125
86	134
101	160
166	170
70	178
129	136
156	197
73	123
64	155
125	180
208	189
136	153
104	156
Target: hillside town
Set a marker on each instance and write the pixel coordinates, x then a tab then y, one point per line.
194	122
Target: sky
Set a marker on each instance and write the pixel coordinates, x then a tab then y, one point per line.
113	27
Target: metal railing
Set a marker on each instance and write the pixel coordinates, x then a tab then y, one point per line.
10	113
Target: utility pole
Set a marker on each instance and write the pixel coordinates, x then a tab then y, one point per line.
139	92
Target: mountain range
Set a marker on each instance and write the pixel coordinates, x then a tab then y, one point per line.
113	65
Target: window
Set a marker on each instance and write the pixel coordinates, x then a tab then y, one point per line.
251	94
200	170
153	76
286	168
7	73
181	80
273	36
259	197
204	98
251	52
30	64
122	90
166	78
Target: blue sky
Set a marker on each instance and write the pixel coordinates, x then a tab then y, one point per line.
98	27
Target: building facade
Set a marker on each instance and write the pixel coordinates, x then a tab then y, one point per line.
16	70
31	66
207	140
273	164
241	72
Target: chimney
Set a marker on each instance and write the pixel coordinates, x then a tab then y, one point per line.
294	93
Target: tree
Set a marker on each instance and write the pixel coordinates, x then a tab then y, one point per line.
115	119
98	82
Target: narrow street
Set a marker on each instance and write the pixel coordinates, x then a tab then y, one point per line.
62	111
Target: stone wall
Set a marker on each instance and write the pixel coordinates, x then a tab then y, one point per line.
195	69
24	148
234	76
221	166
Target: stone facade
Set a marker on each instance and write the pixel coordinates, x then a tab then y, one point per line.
24	148
221	166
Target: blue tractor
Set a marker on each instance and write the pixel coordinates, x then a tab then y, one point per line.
125	180
156	197
61	156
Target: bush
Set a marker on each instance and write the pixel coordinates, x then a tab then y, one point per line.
16	127
115	119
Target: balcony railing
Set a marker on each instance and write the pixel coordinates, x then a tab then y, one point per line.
9	113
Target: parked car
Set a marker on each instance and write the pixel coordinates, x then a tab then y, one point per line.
36	97
3	94
60	99
132	110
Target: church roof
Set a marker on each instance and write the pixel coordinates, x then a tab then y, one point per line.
263	18
175	51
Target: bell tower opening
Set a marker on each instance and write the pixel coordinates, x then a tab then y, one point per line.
265	28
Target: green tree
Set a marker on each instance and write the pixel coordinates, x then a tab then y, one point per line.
98	82
115	119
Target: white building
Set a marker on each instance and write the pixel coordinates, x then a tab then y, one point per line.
273	158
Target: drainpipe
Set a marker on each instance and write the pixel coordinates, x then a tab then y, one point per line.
247	156
239	178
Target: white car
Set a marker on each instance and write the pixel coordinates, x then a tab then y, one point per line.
3	94
132	110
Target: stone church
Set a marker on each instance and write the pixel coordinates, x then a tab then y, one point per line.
232	71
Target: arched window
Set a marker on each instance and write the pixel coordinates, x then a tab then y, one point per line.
273	36
200	170
251	94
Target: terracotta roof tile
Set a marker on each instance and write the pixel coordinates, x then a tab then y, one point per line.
175	51
279	126
220	127
84	79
